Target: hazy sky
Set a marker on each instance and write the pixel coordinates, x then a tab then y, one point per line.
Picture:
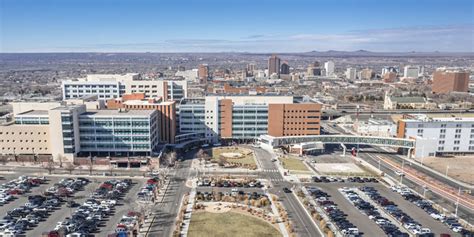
235	25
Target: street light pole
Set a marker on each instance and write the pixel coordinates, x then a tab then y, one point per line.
403	172
447	169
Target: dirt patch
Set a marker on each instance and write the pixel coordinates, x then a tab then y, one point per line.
460	168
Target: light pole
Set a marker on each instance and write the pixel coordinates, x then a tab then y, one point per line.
424	191
422	154
403	172
447	169
379	164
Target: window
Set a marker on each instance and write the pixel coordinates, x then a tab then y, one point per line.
456	142
441	142
458	125
442	131
420	125
456	148
457	136
471	148
458	130
420	131
443	125
441	148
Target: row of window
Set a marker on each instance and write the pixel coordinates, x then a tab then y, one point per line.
23	140
20	133
91	91
458	125
24	148
91	86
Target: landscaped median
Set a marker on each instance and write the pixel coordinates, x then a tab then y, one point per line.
234	157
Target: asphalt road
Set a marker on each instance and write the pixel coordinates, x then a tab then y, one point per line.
303	224
166	211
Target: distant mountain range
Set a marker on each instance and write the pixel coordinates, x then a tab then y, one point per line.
370	53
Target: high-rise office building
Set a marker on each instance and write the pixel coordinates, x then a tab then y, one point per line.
389	69
285	68
446	80
251	67
274	65
411	71
203	73
366	74
351	73
329	67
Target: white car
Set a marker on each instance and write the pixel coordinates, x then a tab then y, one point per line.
399	173
425	231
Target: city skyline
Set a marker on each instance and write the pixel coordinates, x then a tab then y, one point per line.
237	26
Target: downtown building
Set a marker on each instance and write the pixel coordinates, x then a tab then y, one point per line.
447	80
216	118
109	86
438	136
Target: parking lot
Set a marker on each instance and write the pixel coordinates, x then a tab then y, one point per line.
360	220
63	210
367	226
415	212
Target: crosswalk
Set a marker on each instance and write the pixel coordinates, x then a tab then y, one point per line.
277	180
271	171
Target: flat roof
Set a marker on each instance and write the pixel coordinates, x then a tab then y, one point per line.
34	113
116	112
464	117
146	102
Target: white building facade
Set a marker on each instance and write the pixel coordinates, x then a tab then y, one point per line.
411	71
106	86
439	136
329	68
351	73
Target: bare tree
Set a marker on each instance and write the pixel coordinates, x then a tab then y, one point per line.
222	161
70	167
151	167
90	166
200	155
49	166
3	160
60	158
171	158
111	169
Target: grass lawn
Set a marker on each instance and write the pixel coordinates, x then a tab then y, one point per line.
293	164
246	159
229	224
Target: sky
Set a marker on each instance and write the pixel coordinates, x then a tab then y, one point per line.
259	26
